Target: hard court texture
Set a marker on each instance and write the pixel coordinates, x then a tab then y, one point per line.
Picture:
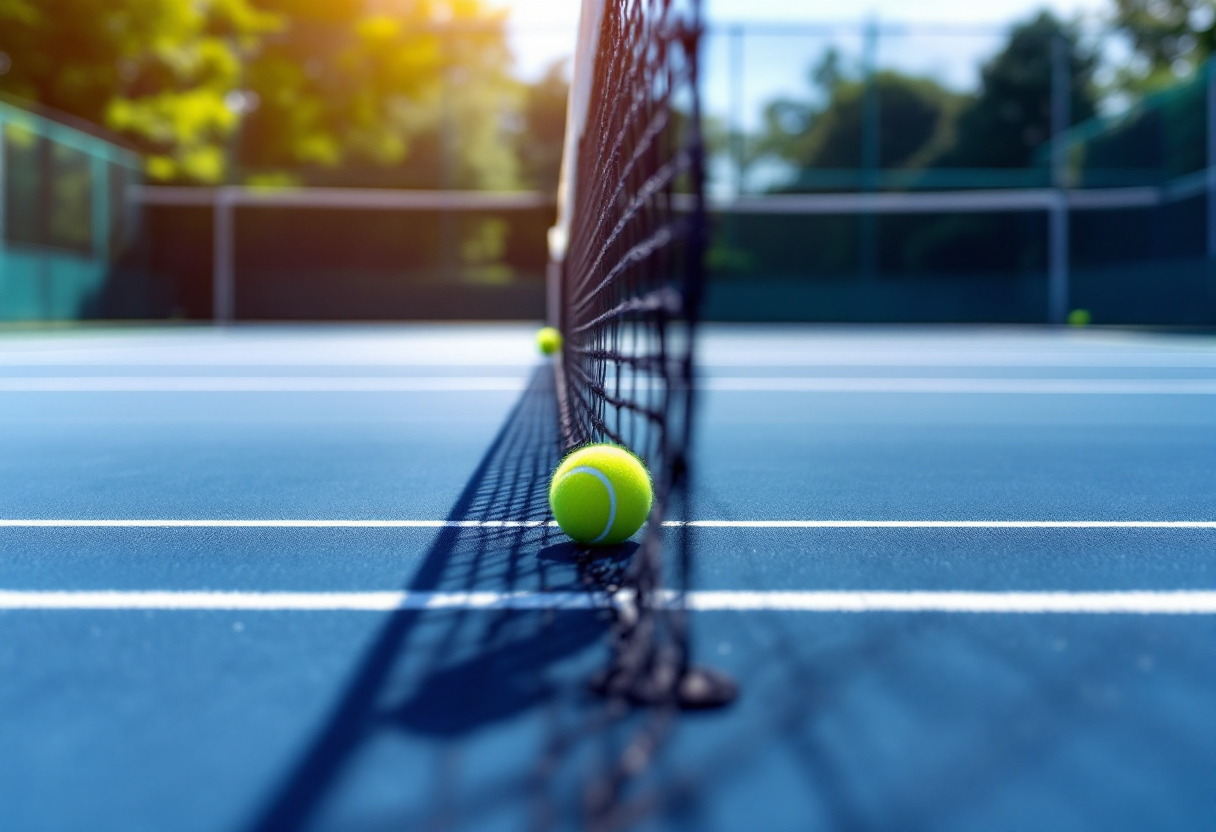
271	578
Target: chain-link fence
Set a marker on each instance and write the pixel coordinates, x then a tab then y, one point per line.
954	173
866	172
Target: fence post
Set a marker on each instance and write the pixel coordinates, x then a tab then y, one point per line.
449	158
871	149
1057	258
1211	159
100	175
223	289
3	201
1058	289
738	149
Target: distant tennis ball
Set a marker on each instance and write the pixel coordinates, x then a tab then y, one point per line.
601	494
1079	317
549	340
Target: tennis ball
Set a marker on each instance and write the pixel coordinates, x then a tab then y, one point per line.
601	494
549	340
1079	317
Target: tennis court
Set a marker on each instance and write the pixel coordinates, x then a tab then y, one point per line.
274	578
901	335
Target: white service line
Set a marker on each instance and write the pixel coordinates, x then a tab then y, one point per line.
1143	603
531	524
946	524
285	524
464	352
1084	603
260	384
1005	386
471	384
782	355
289	601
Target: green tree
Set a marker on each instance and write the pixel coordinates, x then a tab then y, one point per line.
1010	118
337	85
422	90
827	129
159	71
1005	126
543	128
1171	38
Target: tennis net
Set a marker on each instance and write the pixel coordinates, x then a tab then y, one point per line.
626	288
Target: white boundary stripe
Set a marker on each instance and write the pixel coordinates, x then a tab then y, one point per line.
1085	603
947	524
284	524
293	601
1143	603
532	524
456	384
745	356
259	384
1018	386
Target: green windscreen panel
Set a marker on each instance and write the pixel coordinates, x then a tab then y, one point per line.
67	229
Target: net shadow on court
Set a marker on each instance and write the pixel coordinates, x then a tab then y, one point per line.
441	676
444	674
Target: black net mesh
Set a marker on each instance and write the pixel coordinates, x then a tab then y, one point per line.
630	290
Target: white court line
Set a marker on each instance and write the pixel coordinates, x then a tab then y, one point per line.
470	384
1007	386
294	601
1084	603
946	524
259	384
531	524
463	353
286	524
776	356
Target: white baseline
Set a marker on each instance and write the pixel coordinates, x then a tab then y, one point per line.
471	384
153	523
1024	603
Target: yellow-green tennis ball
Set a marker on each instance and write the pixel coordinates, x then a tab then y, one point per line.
601	494
1079	317
549	340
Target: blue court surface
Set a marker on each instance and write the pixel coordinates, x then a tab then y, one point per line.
304	578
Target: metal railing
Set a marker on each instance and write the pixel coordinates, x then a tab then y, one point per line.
225	200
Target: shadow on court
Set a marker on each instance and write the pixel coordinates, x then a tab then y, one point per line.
445	674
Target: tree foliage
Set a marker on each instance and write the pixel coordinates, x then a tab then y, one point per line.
1171	38
827	130
420	84
426	83
156	70
544	128
1010	117
922	125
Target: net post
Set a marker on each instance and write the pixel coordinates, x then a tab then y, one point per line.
223	290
